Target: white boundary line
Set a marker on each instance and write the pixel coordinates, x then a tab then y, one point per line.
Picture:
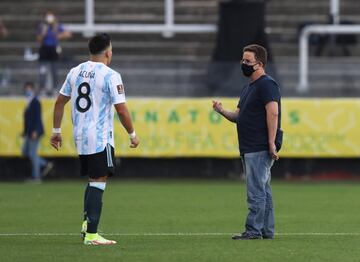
182	234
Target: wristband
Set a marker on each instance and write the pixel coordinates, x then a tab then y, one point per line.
56	130
132	135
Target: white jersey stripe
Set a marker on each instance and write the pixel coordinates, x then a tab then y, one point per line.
100	124
109	158
92	113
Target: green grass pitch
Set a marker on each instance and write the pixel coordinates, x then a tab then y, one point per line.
314	222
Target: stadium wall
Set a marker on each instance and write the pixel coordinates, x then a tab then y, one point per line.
292	169
190	128
185	138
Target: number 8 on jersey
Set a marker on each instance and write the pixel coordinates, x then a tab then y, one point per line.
83	101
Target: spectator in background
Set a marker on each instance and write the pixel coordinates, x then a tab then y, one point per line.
3	30
49	33
33	130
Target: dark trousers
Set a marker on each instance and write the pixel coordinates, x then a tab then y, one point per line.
48	66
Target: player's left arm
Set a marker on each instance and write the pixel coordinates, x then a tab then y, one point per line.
62	34
60	103
270	95
272	114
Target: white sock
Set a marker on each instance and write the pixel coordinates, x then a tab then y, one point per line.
99	185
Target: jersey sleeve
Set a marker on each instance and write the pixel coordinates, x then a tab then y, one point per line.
269	92
116	88
66	87
61	28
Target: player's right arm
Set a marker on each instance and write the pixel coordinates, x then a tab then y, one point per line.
126	121
60	103
229	115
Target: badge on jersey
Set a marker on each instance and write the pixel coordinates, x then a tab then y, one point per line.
120	89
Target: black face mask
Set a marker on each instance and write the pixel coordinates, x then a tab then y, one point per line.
247	70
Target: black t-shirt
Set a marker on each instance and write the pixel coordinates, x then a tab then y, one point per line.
251	122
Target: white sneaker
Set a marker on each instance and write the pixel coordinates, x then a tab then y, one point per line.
96	240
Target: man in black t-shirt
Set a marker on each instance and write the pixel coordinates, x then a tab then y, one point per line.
258	118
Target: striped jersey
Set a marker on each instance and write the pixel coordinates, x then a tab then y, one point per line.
94	89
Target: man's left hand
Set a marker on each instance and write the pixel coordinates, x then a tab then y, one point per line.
34	135
273	152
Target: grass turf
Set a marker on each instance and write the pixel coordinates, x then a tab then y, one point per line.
137	207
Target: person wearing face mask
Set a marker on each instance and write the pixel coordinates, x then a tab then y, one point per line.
49	33
33	130
258	120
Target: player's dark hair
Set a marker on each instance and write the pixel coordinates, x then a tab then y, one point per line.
29	84
99	43
259	52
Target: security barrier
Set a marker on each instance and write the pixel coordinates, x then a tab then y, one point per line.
190	128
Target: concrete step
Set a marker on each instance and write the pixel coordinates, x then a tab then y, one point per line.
323	73
276	34
199	49
135	48
152	65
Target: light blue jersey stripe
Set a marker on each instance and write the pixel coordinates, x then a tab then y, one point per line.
110	118
92	84
110	133
102	115
84	137
76	124
67	91
67	88
77	114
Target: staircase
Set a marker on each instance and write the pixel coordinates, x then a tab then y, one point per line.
176	67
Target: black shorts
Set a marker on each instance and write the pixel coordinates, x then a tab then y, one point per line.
98	165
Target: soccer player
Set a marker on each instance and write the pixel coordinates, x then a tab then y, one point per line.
258	121
94	89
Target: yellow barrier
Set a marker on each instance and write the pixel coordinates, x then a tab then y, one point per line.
189	128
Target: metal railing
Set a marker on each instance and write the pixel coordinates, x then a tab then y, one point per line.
332	29
303	85
167	29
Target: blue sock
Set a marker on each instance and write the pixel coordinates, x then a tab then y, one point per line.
93	208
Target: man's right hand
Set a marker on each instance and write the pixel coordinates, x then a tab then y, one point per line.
217	106
134	142
56	141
